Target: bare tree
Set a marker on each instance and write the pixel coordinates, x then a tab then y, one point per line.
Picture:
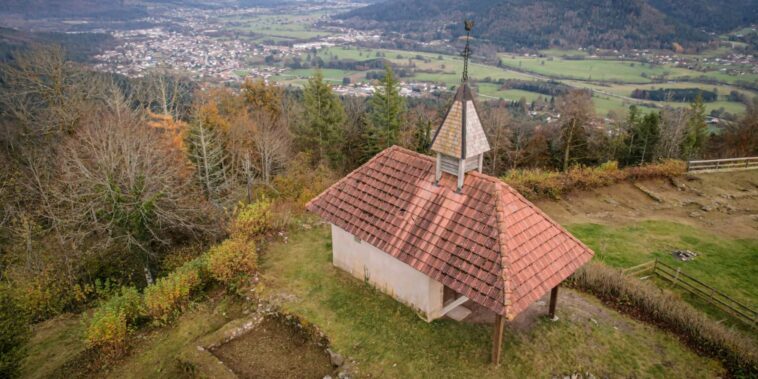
164	91
42	94
263	141
121	189
673	130
576	110
496	122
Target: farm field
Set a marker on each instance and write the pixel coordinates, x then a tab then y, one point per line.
593	69
282	27
446	69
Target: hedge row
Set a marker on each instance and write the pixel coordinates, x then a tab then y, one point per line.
230	263
646	301
538	183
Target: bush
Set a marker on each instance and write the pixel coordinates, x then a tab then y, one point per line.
169	295
251	220
232	261
538	183
648	302
113	320
46	294
14	332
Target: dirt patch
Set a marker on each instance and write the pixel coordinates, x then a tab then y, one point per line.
724	203
275	348
572	306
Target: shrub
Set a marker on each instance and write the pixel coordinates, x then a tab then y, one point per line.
649	303
538	183
46	294
232	261
14	332
113	320
169	295
251	220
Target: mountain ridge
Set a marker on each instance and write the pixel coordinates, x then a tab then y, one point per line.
555	23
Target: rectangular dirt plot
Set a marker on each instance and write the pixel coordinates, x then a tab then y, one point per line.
275	349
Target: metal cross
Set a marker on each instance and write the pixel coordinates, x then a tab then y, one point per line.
468	24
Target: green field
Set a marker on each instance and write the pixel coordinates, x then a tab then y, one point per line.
728	264
281	27
593	69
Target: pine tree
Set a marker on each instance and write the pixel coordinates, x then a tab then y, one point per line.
644	138
422	136
697	130
207	153
321	134
387	109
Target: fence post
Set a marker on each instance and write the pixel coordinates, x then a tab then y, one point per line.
676	277
655	265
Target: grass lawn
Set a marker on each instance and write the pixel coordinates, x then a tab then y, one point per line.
388	340
731	265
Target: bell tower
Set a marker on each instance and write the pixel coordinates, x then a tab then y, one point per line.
460	142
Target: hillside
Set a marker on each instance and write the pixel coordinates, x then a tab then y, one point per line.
551	23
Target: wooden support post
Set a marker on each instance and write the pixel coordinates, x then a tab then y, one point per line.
497	339
553	301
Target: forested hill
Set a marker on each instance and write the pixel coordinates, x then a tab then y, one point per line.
551	23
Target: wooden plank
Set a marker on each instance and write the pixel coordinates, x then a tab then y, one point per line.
497	339
553	302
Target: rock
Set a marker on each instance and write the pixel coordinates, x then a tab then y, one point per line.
328	377
612	202
336	358
343	375
696	214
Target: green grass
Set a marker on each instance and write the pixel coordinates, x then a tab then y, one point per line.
388	340
727	264
56	344
53	344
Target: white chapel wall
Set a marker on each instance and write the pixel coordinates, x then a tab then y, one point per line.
386	273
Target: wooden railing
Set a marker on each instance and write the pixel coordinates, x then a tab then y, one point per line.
723	164
694	286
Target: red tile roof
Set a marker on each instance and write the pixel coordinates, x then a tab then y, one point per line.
488	243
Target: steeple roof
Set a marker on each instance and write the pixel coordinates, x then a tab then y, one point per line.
461	134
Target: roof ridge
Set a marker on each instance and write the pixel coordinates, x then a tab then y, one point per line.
501	241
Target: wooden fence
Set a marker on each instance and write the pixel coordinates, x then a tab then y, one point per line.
723	164
686	282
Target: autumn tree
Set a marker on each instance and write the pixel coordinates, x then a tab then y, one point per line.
741	138
576	109
263	97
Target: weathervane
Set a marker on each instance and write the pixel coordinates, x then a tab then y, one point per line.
468	24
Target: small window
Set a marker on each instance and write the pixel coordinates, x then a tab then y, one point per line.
358	240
